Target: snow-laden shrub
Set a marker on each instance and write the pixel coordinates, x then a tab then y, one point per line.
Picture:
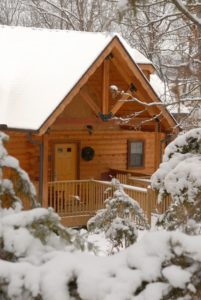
118	218
179	175
162	265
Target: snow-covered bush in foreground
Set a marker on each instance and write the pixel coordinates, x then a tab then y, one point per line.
118	219
27	235
162	265
180	176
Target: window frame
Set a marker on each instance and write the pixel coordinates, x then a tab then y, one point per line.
129	154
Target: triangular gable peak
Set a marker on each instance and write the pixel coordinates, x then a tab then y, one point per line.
113	66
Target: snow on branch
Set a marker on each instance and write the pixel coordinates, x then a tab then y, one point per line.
179	176
161	264
187	13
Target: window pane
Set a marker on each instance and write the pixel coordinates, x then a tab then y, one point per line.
136	160
136	154
136	147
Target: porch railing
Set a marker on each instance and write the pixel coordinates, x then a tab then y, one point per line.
85	197
76	197
124	176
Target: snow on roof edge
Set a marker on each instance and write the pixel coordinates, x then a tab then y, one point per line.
108	36
137	56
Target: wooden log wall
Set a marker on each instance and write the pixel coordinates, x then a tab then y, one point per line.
27	153
111	148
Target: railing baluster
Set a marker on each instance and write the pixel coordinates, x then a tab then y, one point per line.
90	197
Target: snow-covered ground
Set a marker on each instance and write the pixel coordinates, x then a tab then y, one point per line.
104	246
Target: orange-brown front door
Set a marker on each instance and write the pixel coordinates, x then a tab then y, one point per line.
65	162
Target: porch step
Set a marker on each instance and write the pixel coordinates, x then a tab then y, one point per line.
75	221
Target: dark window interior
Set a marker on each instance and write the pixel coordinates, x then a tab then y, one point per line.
136	154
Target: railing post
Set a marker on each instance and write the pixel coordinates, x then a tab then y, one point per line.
44	200
91	195
127	178
149	203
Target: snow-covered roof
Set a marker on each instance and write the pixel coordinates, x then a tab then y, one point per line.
39	67
136	55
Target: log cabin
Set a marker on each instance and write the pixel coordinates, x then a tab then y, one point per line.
69	126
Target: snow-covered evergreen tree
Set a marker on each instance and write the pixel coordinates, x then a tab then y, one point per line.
118	218
179	176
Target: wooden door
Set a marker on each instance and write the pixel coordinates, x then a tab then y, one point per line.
65	162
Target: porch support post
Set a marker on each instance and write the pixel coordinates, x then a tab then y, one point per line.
45	171
157	145
105	87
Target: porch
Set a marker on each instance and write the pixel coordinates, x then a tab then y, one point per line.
78	200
